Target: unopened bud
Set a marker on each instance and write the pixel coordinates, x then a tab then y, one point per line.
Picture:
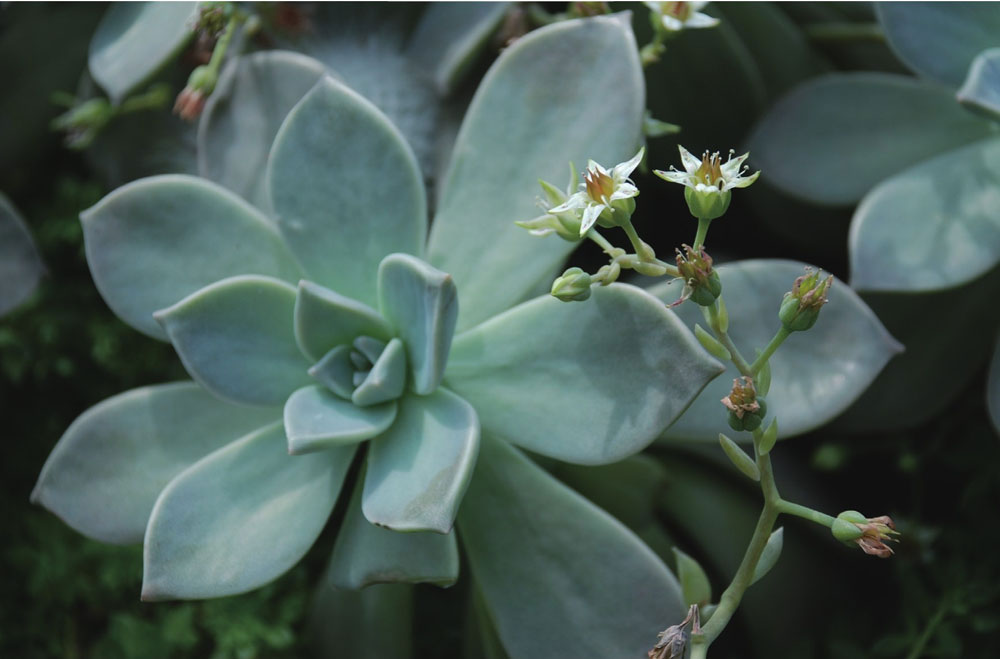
572	286
801	306
746	409
701	283
869	533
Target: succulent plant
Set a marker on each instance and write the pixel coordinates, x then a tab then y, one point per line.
20	265
331	317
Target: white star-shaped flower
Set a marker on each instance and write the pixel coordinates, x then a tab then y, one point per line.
599	192
677	16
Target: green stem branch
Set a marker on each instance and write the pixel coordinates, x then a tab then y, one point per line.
699	236
723	336
222	46
779	338
806	513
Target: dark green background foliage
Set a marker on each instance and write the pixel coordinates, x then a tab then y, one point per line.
62	595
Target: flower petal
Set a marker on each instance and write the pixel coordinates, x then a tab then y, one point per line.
366	554
590	215
105	473
543	570
419	469
325	319
235	337
339	219
422	304
239	518
533	113
316	420
152	242
625	169
588	383
691	163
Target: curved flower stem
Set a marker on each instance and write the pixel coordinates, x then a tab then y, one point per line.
615	252
723	335
806	513
222	45
917	650
699	236
779	338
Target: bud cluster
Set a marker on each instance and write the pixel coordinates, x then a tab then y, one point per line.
801	306
746	409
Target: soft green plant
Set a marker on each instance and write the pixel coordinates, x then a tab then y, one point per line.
362	348
20	265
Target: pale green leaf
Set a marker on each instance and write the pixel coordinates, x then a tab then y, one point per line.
325	319
135	39
239	518
345	189
695	586
535	111
20	264
387	377
242	117
419	469
153	242
563	579
939	40
981	90
935	225
836	137
366	554
816	374
770	555
111	464
587	382
316	419
235	337
421	302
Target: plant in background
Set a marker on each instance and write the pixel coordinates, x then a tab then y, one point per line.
20	265
362	349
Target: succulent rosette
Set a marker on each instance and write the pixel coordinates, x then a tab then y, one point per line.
333	326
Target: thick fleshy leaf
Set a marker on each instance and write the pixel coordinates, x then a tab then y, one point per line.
933	226
587	382
834	138
371	623
534	112
235	337
939	40
239	518
421	302
981	89
387	377
336	371
366	554
338	217
544	570
316	419
418	471
157	240
325	319
20	265
254	95
445	41
815	374
695	586
134	39
105	473
993	389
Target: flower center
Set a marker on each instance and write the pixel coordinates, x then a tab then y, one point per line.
599	185
679	10
710	172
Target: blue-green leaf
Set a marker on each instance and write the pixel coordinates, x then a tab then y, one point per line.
695	586
981	90
835	137
134	39
105	473
935	225
345	189
419	469
543	570
325	319
316	419
770	555
816	374
372	623
587	382
235	337
366	554
536	110
939	40
239	518
387	377
421	302
254	95
152	242
20	265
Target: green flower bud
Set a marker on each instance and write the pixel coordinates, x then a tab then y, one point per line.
701	283
869	533
572	286
203	79
845	531
801	306
707	204
746	409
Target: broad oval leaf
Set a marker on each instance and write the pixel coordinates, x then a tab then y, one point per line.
153	242
20	265
543	570
235	337
585	382
939	40
933	226
815	374
134	39
338	217
981	90
535	111
242	117
834	138
111	464
316	419
419	469
366	554
239	518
